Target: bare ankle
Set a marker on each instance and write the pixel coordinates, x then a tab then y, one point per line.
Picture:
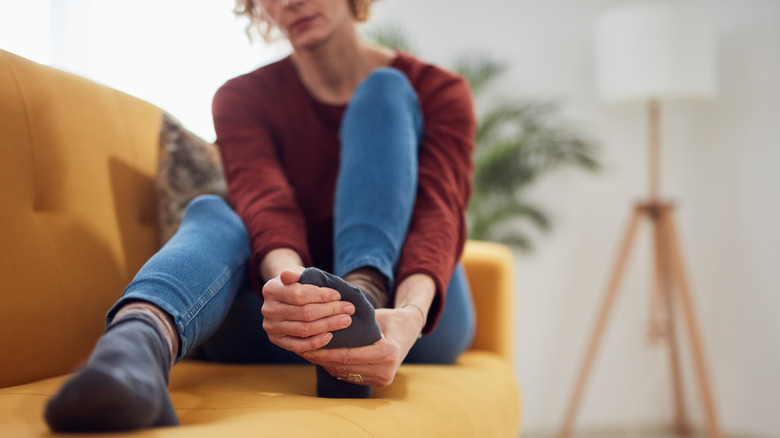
371	282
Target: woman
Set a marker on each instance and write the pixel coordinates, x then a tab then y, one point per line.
344	156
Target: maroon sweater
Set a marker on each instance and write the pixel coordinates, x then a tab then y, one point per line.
280	150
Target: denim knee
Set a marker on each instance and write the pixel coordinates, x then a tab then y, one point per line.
387	79
385	84
206	204
216	212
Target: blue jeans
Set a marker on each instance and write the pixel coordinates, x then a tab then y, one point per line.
200	276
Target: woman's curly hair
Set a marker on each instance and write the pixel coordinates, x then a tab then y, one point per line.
257	22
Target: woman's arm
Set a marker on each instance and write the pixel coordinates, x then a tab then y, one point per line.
437	232
296	317
257	185
278	260
415	294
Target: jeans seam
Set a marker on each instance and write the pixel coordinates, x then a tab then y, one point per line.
211	292
186	318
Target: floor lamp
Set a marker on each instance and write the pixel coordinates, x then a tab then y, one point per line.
652	51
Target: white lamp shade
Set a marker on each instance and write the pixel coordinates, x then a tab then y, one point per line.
659	49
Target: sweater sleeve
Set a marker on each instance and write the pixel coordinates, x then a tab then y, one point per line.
257	185
437	232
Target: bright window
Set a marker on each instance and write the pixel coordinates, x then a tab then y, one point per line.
173	53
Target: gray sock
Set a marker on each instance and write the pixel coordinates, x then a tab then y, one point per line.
363	331
124	385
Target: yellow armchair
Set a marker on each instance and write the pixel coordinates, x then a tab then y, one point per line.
78	220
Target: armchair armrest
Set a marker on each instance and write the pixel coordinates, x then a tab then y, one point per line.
489	270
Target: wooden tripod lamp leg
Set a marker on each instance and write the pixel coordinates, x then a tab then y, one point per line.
678	271
598	330
657	327
664	269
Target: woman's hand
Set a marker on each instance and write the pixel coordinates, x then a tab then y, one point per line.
299	317
376	363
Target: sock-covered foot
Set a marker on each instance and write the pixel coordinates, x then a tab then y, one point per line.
124	385
363	331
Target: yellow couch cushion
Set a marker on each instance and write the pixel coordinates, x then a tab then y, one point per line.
476	397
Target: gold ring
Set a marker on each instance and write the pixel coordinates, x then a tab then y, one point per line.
354	378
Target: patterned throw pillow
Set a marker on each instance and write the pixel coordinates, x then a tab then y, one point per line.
188	166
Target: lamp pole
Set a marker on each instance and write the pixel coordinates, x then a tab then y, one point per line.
654	129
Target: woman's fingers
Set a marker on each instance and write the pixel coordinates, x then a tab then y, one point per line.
278	311
298	294
304	329
290	276
379	352
301	345
299	317
376	363
372	375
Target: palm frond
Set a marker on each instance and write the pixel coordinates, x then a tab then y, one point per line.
504	167
479	71
513	236
391	36
507	211
552	147
516	239
493	123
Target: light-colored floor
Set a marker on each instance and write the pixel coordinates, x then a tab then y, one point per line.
635	432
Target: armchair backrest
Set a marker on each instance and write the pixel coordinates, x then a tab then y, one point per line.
77	162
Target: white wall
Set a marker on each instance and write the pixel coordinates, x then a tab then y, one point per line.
720	163
24	28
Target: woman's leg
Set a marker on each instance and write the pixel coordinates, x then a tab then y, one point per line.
196	275
375	195
377	183
193	279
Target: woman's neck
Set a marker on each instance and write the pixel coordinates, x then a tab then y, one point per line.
333	69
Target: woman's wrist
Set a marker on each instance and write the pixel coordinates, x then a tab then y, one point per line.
418	316
277	260
415	295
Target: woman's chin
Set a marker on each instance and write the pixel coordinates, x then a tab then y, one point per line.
306	43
